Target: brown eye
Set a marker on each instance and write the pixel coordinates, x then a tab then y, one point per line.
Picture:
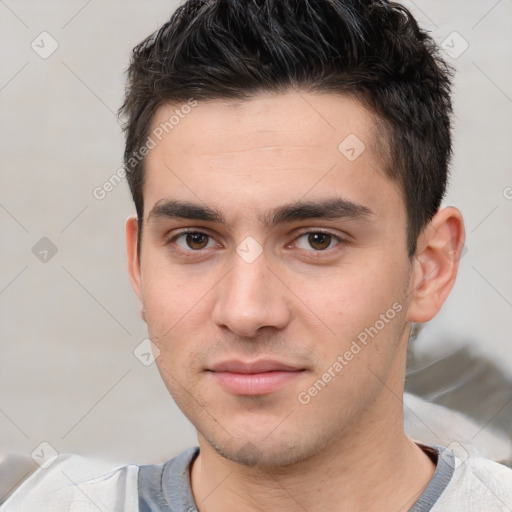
319	241
196	240
316	240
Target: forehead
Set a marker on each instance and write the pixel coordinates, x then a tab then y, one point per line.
261	150
319	121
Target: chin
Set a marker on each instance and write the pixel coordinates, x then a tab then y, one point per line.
255	453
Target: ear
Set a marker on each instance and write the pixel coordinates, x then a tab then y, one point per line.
436	264
132	231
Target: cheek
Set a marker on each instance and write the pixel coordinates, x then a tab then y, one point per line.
170	295
357	302
354	296
175	301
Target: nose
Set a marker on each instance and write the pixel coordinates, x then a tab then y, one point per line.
249	297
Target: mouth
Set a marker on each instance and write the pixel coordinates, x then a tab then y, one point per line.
254	378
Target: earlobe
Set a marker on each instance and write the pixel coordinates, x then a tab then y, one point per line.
132	229
436	264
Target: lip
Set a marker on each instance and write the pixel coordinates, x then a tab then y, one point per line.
253	378
260	366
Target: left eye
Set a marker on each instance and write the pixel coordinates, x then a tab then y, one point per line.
317	240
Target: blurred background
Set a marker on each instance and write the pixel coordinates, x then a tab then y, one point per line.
72	368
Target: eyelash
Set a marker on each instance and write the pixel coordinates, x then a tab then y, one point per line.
314	253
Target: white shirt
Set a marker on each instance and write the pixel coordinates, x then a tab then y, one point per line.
80	484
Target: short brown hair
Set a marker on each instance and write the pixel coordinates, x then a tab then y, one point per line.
372	49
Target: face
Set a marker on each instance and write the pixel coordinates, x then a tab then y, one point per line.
273	271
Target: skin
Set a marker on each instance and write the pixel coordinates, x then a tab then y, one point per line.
296	302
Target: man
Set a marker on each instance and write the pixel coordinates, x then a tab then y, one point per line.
287	162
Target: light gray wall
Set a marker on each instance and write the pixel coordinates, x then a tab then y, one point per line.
69	326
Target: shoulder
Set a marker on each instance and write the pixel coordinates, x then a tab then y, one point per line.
167	483
83	481
475	482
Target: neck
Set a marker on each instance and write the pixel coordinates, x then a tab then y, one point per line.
372	466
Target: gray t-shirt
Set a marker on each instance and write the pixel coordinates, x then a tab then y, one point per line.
166	487
71	483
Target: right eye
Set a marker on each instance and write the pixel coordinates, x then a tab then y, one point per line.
191	241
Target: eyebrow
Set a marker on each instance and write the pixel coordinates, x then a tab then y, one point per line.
329	208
